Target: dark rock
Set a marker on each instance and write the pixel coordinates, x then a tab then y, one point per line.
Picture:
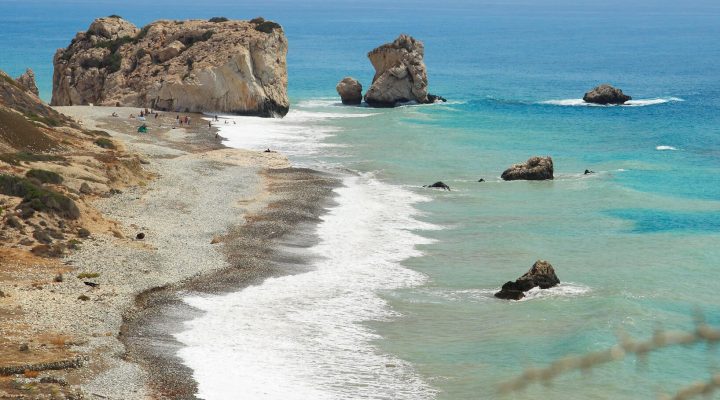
13	222
24	347
588	172
541	274
350	91
83	233
438	185
535	169
433	98
606	94
85	188
481	180
91	284
140	236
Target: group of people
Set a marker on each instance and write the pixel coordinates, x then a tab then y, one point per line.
185	120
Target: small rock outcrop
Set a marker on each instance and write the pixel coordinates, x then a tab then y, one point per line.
27	81
535	169
542	275
606	94
228	66
350	91
438	185
400	73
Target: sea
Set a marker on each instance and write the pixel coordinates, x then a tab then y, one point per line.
399	303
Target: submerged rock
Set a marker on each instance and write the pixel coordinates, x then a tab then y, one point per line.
232	66
541	274
350	91
606	94
535	169
27	81
400	73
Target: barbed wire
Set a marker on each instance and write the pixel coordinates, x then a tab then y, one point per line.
703	333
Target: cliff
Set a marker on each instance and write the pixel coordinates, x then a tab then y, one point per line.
219	65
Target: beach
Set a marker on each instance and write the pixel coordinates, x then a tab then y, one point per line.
210	222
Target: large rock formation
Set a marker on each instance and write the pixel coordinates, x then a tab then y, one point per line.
606	94
350	91
541	274
400	74
230	66
535	169
27	81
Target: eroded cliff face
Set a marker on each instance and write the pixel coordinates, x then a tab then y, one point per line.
228	66
400	73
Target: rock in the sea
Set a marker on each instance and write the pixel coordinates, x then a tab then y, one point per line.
438	185
541	274
400	74
350	91
606	94
535	169
232	66
27	81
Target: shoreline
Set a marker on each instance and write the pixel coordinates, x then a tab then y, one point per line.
261	208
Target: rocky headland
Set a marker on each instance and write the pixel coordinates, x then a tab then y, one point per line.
215	65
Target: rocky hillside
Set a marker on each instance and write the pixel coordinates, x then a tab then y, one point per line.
49	168
218	65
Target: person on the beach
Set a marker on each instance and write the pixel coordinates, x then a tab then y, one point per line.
209	124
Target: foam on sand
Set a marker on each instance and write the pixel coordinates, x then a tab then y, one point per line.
302	336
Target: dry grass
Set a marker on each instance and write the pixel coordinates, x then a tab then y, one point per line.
31	374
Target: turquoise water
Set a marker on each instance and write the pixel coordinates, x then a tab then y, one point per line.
636	244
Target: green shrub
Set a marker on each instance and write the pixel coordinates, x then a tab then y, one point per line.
258	20
112	62
105	143
45	120
86	275
115	44
38	198
90	63
114	16
191	40
267	26
23	156
44	176
218	19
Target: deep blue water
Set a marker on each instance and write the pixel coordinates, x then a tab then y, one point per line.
638	240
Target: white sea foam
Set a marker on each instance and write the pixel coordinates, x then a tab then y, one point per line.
662	148
564	289
301	336
300	133
630	103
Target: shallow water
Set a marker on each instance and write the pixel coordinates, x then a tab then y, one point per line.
401	305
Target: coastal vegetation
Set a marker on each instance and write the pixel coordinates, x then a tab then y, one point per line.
44	176
38	198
